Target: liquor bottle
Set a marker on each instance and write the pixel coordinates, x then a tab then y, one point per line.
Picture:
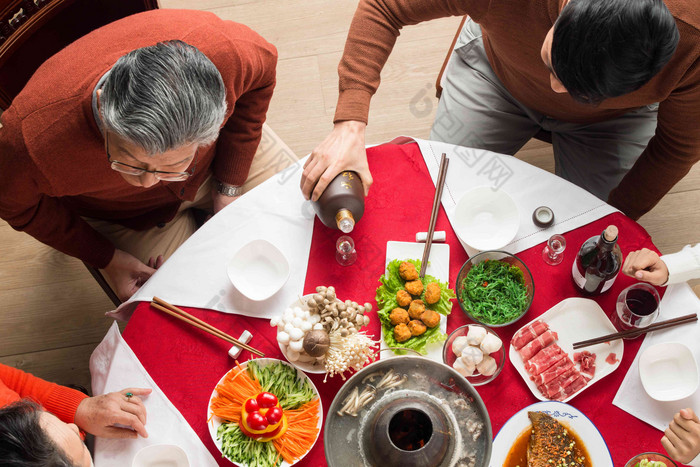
598	263
342	204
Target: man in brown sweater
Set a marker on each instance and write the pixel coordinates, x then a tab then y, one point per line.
616	81
119	131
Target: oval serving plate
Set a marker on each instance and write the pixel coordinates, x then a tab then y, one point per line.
215	422
569	416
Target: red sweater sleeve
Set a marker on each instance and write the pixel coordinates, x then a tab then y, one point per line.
372	36
59	400
25	205
251	84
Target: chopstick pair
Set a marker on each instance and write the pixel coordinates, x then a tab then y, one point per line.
176	312
439	185
636	332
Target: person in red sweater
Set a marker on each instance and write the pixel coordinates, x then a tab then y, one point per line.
115	137
41	423
615	82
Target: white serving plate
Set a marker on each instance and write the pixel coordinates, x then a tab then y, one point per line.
161	455
438	267
668	371
576	319
569	416
215	422
258	270
314	368
486	219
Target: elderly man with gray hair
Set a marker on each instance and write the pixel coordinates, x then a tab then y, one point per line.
115	137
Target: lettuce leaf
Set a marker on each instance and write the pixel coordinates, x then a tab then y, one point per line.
386	302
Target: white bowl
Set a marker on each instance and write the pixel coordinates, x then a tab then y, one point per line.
668	371
161	455
486	219
258	270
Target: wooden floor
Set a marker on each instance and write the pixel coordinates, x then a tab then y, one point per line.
51	310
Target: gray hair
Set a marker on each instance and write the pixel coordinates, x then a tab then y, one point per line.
163	97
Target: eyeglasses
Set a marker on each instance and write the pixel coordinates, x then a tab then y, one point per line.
137	171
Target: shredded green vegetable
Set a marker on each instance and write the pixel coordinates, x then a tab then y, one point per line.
291	391
239	448
282	381
386	301
494	292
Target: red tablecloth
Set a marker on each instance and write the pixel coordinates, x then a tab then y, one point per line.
186	363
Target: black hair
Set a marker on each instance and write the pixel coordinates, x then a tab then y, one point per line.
608	48
23	441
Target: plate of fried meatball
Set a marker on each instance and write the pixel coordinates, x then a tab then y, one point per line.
414	315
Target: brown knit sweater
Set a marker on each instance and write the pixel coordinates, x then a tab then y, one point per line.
513	34
53	165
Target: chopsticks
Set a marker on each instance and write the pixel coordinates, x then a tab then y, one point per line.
439	185
636	332
176	312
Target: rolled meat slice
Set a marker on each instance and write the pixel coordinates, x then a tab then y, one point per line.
545	359
528	333
537	344
546	376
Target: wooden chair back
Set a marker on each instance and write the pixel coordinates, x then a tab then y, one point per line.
31	31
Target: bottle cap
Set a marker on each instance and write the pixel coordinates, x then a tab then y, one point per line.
610	233
345	220
543	217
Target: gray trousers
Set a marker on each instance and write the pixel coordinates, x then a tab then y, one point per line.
476	110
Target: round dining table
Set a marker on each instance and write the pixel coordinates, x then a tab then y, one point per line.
186	363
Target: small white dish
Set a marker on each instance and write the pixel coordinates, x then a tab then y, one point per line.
258	270
668	371
161	455
486	219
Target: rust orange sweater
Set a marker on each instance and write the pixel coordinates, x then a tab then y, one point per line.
53	165
59	400
513	34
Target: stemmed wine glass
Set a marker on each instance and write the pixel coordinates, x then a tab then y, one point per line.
552	253
345	252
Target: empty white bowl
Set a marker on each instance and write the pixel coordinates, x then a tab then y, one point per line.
258	270
161	455
486	219
668	371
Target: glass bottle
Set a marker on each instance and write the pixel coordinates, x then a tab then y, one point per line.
342	204
598	263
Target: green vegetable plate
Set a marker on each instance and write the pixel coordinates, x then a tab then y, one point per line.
292	387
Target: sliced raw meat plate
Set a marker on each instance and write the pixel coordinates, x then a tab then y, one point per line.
545	359
528	333
587	361
537	344
548	375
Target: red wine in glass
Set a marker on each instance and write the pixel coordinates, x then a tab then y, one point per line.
640	302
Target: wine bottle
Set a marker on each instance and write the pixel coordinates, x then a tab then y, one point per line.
598	263
342	203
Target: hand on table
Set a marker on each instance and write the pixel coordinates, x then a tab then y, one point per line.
343	149
98	415
682	438
645	265
127	274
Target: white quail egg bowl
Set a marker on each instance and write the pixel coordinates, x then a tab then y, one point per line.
467	340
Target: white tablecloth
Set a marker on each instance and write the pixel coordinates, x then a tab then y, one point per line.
114	367
679	300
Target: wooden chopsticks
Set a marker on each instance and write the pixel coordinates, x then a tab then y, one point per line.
439	185
636	332
176	312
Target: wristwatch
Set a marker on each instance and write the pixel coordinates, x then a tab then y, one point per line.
228	190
